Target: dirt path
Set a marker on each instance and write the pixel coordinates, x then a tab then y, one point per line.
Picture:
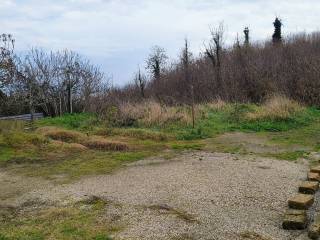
195	196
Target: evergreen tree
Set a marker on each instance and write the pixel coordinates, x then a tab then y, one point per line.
276	37
246	36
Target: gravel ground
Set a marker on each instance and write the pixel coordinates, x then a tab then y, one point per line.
196	196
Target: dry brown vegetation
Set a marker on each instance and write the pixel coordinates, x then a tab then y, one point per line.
77	140
276	108
105	145
71	146
246	74
141	134
151	113
62	134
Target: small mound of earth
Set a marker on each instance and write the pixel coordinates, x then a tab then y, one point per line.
198	196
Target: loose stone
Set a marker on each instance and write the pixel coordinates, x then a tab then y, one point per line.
314	229
312	176
301	201
309	187
295	220
315	169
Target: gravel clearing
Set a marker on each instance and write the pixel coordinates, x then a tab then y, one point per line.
195	196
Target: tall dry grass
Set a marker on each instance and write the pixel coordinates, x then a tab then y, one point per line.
277	107
151	113
216	105
11	125
100	143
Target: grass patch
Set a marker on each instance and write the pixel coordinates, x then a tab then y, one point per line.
66	166
234	118
79	121
71	155
295	121
306	136
56	223
62	134
142	134
6	153
17	139
276	108
187	146
105	145
162	123
290	156
11	125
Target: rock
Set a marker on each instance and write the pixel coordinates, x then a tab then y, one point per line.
315	169
295	220
301	201
312	176
314	230
309	187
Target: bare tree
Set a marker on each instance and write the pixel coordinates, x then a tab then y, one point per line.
186	62
91	82
214	51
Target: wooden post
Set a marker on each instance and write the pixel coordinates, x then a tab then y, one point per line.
31	103
192	106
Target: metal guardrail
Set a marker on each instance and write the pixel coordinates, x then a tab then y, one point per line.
24	117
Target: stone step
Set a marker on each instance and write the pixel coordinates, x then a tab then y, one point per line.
314	229
295	220
312	176
315	169
309	187
301	201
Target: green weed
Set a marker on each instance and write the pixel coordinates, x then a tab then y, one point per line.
290	156
79	121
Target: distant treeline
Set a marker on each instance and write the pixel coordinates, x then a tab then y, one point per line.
60	82
53	83
245	72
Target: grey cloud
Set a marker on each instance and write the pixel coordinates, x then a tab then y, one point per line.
118	33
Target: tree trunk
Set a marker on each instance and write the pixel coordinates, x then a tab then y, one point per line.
70	98
31	107
60	105
192	106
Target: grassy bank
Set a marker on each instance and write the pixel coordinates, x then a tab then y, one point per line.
97	146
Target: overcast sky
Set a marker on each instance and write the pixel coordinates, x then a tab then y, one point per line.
118	34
